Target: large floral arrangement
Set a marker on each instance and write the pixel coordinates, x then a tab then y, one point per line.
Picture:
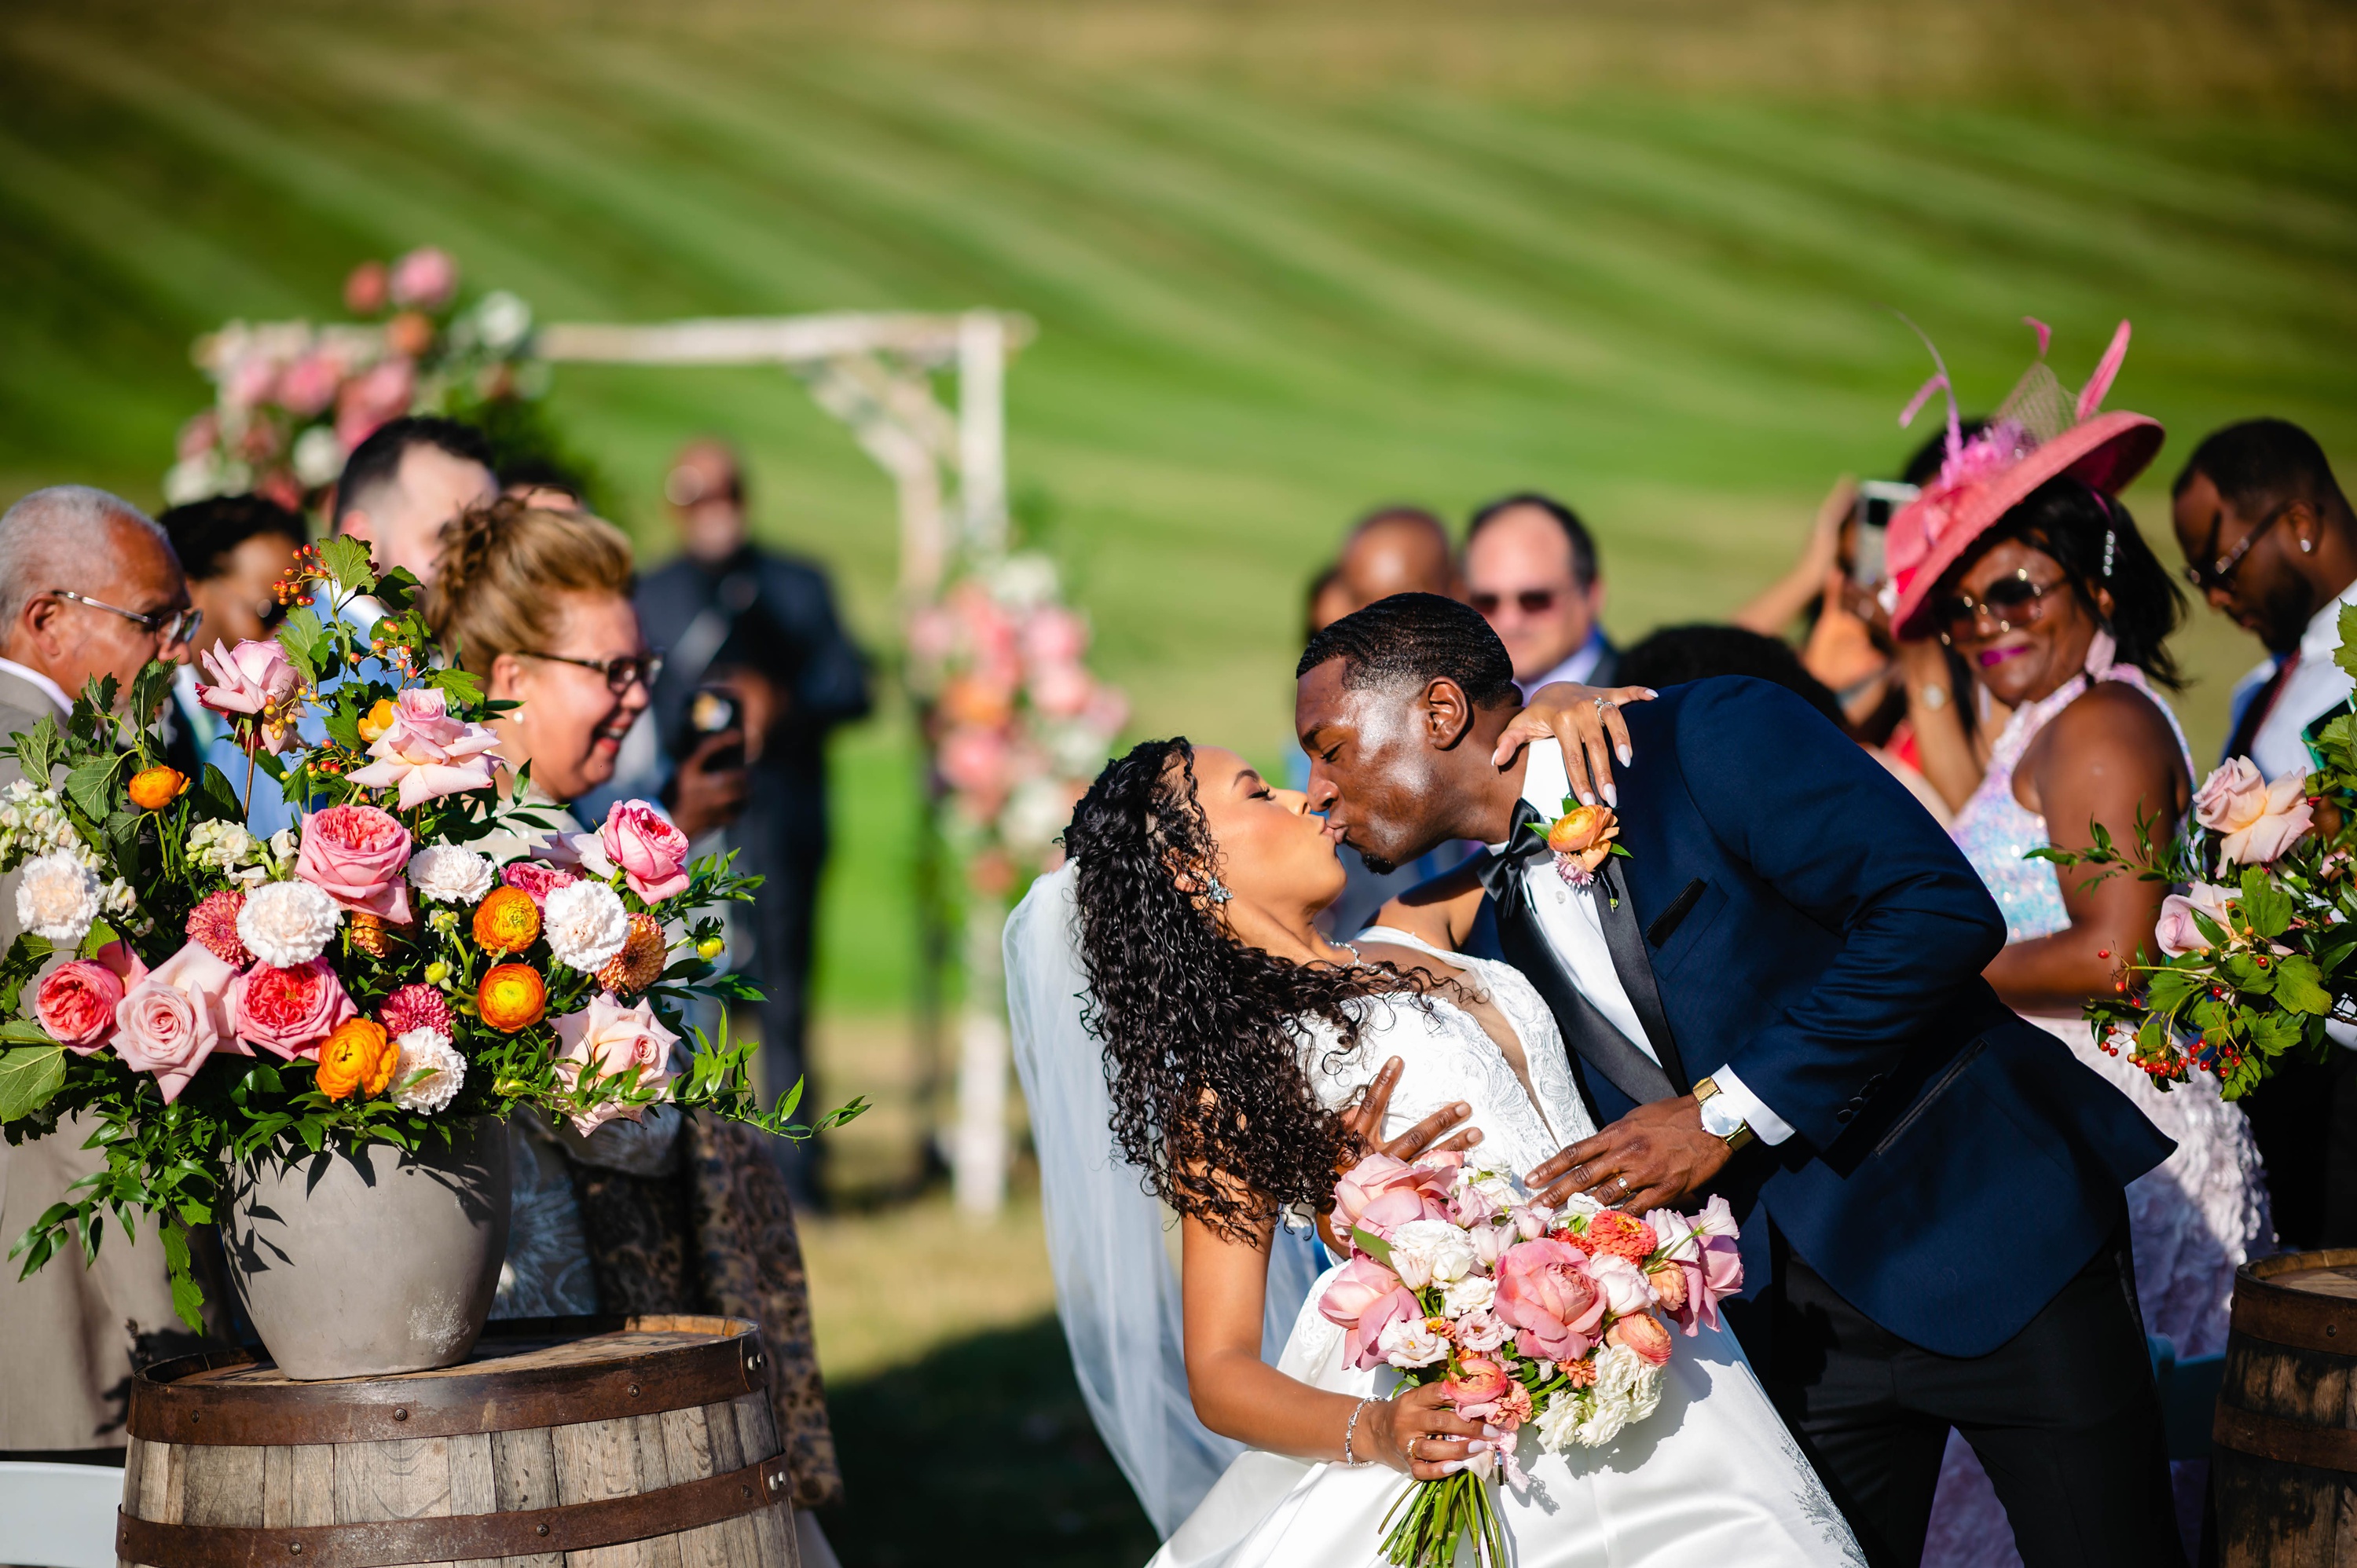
1528	1315
293	399
2255	949
369	976
1019	725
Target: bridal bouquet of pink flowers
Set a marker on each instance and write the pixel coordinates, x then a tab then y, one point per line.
196	995
1556	1321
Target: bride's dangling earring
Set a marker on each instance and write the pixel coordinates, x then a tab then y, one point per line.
1214	890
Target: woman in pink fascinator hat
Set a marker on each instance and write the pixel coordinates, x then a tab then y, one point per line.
2020	560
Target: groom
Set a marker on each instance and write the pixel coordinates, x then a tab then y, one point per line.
1776	994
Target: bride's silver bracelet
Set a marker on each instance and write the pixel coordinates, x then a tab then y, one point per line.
1348	1457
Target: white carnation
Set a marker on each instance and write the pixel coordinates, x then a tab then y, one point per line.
57	897
1424	1251
586	924
286	923
427	1051
450	875
1408	1342
1474	1293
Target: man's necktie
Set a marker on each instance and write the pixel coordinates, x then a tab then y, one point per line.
1588	1034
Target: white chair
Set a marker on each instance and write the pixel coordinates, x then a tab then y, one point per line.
57	1516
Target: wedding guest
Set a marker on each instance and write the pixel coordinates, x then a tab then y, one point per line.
670	1213
405	481
765	624
1394	549
1531	570
233	549
1326	602
2270	540
89	589
2040	578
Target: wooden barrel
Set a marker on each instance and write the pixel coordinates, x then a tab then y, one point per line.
2285	1462
561	1442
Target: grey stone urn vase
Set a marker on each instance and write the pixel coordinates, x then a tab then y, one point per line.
353	1265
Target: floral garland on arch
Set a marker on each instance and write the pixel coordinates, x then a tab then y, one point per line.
293	399
368	977
1018	724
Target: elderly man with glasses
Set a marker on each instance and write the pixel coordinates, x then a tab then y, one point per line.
89	588
1531	571
2270	542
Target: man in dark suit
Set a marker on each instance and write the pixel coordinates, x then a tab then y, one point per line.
1531	570
765	624
1776	994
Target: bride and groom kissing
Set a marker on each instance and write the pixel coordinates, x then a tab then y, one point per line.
1773	996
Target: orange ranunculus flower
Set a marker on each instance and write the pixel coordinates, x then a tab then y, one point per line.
506	921
376	721
512	995
1585	834
357	1059
153	788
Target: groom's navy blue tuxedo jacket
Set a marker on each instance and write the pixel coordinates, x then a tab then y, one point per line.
1953	1165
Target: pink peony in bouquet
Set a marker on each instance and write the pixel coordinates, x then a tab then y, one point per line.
1560	1322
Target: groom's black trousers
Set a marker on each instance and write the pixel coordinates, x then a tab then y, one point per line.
2064	1416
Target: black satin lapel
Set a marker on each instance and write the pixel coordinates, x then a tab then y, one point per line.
1586	1032
1627	945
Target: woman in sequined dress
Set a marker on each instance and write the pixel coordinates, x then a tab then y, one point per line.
2060	610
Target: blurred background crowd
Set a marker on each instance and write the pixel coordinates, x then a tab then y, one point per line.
1578	315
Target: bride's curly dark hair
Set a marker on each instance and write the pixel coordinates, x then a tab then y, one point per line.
1201	1032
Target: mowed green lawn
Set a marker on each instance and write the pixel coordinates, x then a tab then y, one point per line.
1269	290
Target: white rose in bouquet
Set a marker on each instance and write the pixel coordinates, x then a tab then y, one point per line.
1407	1342
285	924
1424	1251
1474	1293
57	897
586	924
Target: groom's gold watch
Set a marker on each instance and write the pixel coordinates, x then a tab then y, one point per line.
1742	1133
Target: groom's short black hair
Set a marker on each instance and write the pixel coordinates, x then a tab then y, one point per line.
1414	638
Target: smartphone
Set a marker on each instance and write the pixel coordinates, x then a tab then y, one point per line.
711	710
1878	501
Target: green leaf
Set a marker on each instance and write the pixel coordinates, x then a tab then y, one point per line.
37	748
2346	655
2266	907
148	690
29	1076
347	560
87	787
24	1032
2299	986
187	1299
465	688
303	636
343	721
1374	1246
218	792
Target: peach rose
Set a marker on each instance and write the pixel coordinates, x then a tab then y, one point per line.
356	856
2177	934
1642	1333
1381	1193
76	1002
1480	1379
607	1038
425	752
1356	1288
1544	1291
170	1022
2256	820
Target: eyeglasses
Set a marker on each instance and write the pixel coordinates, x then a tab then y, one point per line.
1530	601
2221	574
620	674
175	627
2009	601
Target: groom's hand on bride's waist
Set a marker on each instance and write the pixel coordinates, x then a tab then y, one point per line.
1651	1159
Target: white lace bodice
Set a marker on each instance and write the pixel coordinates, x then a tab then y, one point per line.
1446	1056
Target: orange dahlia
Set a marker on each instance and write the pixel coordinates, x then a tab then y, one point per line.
1623	1235
512	995
153	788
640	962
357	1059
506	921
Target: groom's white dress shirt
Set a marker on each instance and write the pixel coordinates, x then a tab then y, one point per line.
1568	916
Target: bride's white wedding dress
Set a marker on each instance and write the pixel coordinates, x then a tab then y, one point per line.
1710	1479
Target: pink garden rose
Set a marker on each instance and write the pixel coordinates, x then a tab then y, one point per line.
1362	1346
2256	820
611	1038
1360	1284
259	691
1702	1247
1544	1291
356	856
76	1004
651	854
426	753
1379	1194
170	1022
536	879
2177	932
288	1011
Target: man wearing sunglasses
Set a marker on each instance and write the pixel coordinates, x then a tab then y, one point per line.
89	588
1530	570
2270	542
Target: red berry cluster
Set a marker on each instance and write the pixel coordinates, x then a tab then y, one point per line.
390	649
292	585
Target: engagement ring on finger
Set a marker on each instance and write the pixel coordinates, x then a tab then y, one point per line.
1602	703
1624	1185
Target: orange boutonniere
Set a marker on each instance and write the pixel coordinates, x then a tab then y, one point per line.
1582	838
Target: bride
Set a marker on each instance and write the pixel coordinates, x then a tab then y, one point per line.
1234	1036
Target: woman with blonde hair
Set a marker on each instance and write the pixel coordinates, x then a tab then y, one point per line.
672	1213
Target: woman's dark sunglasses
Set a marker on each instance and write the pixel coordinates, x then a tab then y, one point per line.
1530	601
2009	601
620	674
